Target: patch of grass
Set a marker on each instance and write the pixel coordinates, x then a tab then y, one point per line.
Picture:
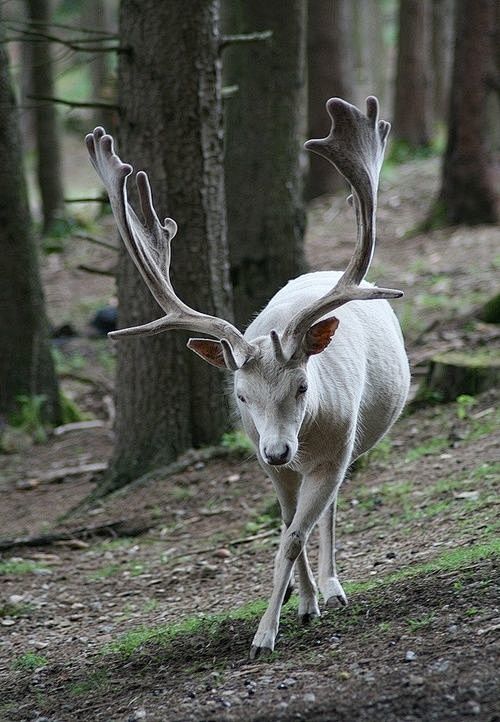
70	411
238	442
105	572
95	681
209	625
13	567
29	661
434	446
269	518
15	610
29	416
182	493
425	621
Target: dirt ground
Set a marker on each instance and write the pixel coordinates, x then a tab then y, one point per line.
146	610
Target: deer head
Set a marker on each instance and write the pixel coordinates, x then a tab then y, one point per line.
271	372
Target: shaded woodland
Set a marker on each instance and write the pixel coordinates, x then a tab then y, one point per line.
122	463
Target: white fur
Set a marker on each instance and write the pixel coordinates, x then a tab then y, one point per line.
357	388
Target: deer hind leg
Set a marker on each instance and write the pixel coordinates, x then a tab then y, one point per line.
316	494
329	584
287	484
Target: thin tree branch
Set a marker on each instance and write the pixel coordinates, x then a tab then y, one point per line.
42	23
74	103
245	38
123	528
73	44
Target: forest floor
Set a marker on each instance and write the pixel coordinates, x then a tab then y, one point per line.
146	610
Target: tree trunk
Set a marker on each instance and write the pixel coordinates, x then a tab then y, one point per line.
468	186
330	73
171	125
46	122
265	124
412	124
97	14
26	366
442	56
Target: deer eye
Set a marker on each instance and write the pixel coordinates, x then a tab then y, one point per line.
242	399
302	389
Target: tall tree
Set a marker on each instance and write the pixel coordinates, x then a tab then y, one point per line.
468	191
265	125
442	56
26	366
412	102
49	169
171	125
330	73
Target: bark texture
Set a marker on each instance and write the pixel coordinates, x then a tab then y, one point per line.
330	74
469	192
46	123
442	56
265	126
171	126
412	102
26	366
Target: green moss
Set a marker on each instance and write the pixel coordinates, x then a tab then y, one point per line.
476	359
29	661
13	567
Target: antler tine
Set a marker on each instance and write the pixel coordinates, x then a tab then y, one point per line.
355	146
149	245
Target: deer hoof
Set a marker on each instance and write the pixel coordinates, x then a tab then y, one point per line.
308	612
333	593
262	645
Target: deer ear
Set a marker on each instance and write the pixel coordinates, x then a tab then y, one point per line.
319	336
209	350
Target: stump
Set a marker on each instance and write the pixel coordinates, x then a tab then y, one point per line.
454	373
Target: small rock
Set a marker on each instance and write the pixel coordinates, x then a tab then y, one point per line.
16	598
416	680
222	553
233	477
410	656
199	465
309	698
288	682
137	715
472	707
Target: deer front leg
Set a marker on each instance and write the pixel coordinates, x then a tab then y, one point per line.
287	484
329	584
316	494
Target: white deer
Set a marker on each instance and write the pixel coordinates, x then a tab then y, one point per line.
310	407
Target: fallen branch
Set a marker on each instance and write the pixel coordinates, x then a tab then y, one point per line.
101	383
120	528
234	543
79	426
101	199
96	271
57	475
97	241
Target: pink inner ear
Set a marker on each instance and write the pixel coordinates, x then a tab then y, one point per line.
210	351
319	336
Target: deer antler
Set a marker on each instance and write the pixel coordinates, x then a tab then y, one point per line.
149	245
355	146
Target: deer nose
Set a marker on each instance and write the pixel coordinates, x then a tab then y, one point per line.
278	455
